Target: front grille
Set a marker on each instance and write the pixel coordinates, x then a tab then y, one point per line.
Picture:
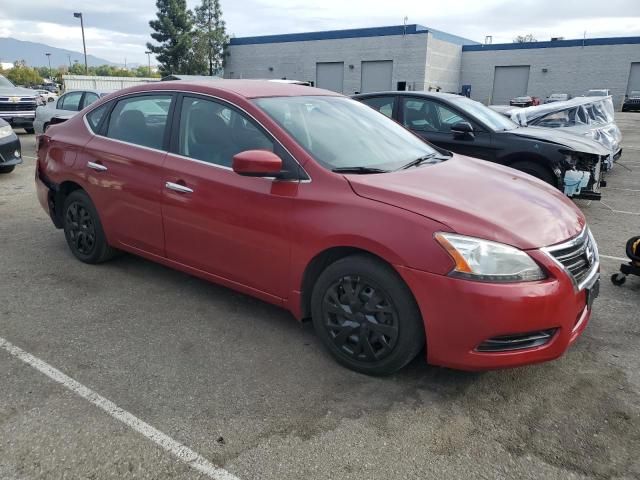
17	107
578	256
634	101
505	343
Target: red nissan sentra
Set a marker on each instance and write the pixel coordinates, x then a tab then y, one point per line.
315	202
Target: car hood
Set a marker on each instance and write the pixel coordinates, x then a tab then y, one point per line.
556	135
17	92
480	199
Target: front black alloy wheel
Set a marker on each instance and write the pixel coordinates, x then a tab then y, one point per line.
366	316
83	230
360	318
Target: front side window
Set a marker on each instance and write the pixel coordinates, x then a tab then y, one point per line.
140	120
421	115
70	101
382	104
213	132
484	114
89	98
343	133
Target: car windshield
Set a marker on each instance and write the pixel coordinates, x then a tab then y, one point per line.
635	93
5	83
597	93
484	114
342	133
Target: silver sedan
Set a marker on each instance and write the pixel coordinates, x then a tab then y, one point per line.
67	105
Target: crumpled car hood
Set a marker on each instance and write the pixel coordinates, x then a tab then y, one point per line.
480	199
579	143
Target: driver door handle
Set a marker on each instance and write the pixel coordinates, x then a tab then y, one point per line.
176	187
97	167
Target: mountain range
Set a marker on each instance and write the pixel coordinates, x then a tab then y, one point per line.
33	53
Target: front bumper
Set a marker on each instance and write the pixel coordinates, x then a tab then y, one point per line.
460	315
19	118
8	149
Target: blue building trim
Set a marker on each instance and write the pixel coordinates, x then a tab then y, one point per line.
589	42
350	33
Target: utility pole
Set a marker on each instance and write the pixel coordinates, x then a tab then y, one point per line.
149	59
84	45
49	58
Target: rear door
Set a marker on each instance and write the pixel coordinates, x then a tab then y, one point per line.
432	120
123	169
215	220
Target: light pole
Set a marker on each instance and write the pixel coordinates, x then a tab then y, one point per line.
149	58
84	45
49	58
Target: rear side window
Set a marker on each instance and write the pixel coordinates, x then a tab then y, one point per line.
382	104
70	101
140	120
95	116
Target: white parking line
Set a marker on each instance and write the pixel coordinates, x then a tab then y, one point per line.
619	259
619	211
184	453
28	157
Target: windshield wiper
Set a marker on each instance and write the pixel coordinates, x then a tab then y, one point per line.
361	170
420	160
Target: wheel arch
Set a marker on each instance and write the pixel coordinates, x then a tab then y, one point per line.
536	158
59	197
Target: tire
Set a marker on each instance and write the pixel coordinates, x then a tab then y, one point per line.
378	343
8	169
536	170
29	130
618	279
44	127
83	230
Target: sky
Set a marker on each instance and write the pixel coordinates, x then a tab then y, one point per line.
119	29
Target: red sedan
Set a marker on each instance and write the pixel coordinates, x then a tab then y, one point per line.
315	202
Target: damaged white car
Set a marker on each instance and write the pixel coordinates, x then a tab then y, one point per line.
592	117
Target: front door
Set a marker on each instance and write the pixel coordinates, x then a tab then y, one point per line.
432	120
215	220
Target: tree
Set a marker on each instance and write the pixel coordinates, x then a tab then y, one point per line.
173	34
210	35
528	38
21	74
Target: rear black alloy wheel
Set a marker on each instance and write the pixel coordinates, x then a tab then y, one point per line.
366	315
360	319
81	230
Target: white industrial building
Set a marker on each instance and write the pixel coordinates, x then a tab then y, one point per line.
414	57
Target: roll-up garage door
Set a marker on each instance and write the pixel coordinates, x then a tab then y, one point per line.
376	76
508	83
634	78
330	75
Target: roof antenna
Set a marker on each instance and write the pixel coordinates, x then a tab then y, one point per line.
406	19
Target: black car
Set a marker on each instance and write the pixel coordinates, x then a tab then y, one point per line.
569	162
10	155
631	102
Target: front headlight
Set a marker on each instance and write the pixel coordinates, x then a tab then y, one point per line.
487	261
5	131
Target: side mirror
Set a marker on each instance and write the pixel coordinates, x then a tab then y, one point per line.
257	163
462	129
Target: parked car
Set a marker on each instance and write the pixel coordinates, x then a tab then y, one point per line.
17	105
72	101
598	92
525	101
631	101
46	95
317	203
557	97
470	128
10	151
591	117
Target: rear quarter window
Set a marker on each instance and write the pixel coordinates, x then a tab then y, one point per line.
94	117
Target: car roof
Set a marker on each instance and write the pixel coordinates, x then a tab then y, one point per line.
412	93
244	88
